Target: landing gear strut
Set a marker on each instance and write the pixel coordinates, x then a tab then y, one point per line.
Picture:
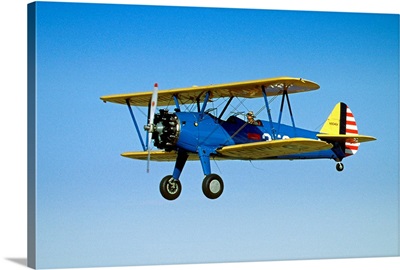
213	186
339	166
170	188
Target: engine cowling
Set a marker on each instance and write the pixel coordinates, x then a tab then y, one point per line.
166	131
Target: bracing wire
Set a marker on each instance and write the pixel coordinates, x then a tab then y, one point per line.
216	164
251	162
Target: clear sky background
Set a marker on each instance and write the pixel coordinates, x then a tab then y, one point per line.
96	208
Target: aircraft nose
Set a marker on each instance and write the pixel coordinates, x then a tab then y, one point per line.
166	131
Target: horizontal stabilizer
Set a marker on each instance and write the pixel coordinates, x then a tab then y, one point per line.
349	138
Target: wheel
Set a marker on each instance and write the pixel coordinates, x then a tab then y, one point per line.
170	188
213	186
339	167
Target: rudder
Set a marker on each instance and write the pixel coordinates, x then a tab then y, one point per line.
341	121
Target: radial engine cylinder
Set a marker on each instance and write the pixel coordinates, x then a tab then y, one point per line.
167	129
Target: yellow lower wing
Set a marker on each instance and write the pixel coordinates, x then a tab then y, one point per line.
157	155
269	149
257	150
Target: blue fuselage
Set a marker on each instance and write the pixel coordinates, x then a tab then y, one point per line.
206	131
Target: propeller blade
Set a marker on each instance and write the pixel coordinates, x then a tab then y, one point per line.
153	104
152	111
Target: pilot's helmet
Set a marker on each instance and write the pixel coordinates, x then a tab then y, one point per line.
250	113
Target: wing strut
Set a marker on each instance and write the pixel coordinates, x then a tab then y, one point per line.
135	123
176	100
203	108
285	95
269	112
226	107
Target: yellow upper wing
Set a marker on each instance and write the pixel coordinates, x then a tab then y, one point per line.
269	149
257	150
246	89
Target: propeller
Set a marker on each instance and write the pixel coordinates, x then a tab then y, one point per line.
151	127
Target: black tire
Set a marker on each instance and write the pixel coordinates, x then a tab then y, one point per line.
213	186
339	167
170	188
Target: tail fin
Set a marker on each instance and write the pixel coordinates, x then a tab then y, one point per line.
341	127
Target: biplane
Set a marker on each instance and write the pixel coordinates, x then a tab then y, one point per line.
200	133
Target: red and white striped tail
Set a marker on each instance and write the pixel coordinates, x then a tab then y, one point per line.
351	128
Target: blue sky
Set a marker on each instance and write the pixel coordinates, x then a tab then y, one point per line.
96	208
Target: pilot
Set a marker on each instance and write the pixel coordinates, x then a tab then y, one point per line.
251	120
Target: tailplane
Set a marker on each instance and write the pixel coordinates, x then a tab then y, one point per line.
341	127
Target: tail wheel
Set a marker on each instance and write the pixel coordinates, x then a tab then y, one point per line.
170	188
339	166
213	186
